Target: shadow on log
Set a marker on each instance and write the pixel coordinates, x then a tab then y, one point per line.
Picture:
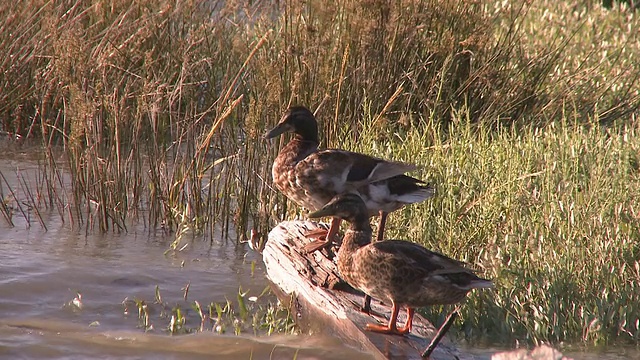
324	301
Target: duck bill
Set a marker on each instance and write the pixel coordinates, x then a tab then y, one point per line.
277	131
320	213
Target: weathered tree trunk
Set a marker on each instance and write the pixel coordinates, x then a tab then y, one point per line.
325	303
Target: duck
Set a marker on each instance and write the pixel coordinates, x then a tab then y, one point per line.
311	177
399	272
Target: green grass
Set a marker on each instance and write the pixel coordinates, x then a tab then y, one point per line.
523	114
550	213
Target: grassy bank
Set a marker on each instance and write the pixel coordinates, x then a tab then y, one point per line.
550	213
524	115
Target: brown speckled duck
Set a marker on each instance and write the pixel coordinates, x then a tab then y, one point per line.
397	271
311	177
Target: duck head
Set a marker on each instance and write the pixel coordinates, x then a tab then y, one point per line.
349	207
299	120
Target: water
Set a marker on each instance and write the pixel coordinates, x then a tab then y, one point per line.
41	273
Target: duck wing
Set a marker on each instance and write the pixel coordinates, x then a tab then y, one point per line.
413	265
418	257
345	169
370	169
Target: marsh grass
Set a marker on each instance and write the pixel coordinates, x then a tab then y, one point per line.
550	213
523	114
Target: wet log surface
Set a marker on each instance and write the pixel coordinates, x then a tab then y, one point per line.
325	303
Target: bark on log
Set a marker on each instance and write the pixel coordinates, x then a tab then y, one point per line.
324	302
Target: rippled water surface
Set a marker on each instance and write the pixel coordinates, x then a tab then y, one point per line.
41	273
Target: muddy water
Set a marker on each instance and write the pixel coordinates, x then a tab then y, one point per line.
41	273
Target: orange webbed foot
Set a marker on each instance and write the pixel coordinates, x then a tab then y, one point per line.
316	245
385	329
324	237
319	233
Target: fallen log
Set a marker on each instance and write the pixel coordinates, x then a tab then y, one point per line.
324	302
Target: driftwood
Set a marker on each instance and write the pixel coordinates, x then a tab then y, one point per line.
324	302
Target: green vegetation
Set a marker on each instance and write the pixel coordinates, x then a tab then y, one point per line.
551	214
523	114
249	314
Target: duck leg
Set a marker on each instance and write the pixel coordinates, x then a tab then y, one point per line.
390	328
381	224
320	234
366	303
409	324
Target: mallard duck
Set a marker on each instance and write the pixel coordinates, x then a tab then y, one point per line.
311	177
400	272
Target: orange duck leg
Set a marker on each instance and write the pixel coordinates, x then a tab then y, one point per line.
325	238
391	328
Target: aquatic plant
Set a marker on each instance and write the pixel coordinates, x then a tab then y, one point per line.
255	315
